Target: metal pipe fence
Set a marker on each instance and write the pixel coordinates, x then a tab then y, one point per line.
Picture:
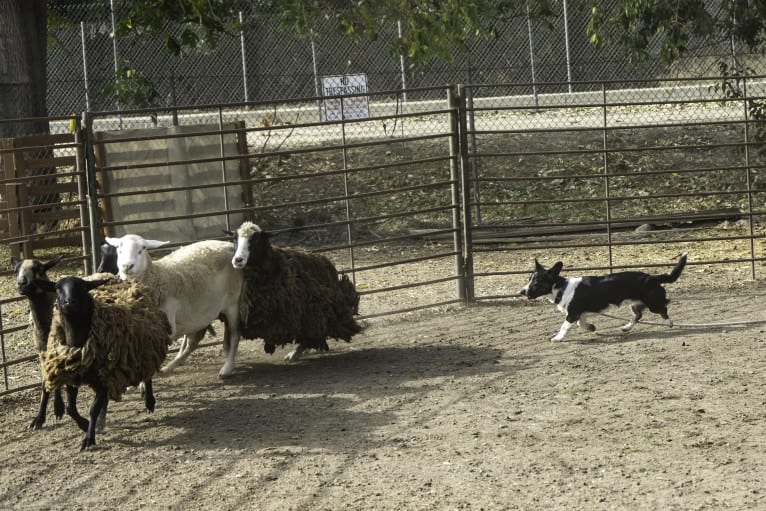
451	205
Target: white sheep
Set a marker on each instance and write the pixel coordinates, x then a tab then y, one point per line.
193	286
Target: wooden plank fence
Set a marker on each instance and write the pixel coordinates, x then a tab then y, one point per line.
32	174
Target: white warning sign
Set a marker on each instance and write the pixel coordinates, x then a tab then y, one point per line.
355	107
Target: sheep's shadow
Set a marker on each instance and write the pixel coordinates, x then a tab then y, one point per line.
327	400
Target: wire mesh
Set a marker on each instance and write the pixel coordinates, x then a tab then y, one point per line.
268	61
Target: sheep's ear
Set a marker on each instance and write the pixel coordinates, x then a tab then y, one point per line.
46	286
155	243
115	242
15	263
53	262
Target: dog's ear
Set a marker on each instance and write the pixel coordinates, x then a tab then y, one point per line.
538	266
557	268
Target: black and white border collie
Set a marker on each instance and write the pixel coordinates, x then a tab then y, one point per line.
577	296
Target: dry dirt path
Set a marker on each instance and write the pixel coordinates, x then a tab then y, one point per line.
468	408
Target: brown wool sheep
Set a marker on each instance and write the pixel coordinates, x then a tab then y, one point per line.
29	274
292	296
109	339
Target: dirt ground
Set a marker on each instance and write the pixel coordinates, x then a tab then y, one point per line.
463	408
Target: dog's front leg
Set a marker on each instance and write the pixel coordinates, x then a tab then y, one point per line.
565	326
638	310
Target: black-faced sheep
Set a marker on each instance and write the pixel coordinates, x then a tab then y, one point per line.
193	285
110	339
108	262
29	274
291	296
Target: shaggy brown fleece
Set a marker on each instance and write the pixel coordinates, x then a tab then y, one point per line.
297	297
127	343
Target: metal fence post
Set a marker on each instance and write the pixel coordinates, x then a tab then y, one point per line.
85	66
82	194
566	47
605	161
86	141
474	163
465	184
748	178
454	172
532	55
244	57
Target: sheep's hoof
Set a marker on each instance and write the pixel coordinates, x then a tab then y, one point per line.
37	423
224	372
87	442
293	356
58	408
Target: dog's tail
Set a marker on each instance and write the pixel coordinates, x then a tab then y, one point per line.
673	275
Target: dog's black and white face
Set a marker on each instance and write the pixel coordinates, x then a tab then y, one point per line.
541	281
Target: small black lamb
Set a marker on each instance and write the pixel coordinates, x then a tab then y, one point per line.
111	340
291	296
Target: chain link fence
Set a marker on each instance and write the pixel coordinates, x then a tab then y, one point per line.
268	61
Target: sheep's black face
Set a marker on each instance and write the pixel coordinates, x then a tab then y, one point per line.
108	262
250	249
29	272
72	296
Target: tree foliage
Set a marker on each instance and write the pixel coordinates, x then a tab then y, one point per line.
439	28
431	28
640	25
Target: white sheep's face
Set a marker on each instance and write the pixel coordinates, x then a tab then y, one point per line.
133	254
241	252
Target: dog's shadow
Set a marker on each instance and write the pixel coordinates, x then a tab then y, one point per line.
613	335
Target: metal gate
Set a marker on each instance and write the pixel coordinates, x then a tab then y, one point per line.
432	204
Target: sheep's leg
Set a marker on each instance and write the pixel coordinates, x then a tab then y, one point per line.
101	422
58	403
71	408
295	355
228	365
230	318
226	335
149	400
188	345
99	403
39	420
